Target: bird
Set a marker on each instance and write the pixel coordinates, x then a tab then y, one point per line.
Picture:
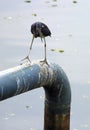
39	29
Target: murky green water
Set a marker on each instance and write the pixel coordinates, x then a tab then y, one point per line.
69	23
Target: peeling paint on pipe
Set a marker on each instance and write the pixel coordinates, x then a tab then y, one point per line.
23	78
26	77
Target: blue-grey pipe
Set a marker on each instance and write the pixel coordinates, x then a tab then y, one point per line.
26	77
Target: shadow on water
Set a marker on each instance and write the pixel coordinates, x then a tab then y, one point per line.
69	23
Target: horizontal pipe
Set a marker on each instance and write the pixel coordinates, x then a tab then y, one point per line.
26	77
23	78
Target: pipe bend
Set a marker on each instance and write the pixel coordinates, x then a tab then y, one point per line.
58	95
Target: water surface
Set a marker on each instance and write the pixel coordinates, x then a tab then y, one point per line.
70	26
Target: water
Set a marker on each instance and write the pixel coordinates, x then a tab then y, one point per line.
70	26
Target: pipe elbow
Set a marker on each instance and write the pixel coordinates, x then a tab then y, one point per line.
58	94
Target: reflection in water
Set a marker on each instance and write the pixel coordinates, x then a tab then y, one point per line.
69	23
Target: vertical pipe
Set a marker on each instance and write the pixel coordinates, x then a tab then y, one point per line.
56	121
57	103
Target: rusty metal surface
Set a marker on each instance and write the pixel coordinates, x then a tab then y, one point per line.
56	121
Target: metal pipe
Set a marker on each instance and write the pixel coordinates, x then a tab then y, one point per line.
26	77
57	102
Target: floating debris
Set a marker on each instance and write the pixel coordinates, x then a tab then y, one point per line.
54	5
6	118
12	114
52	49
74	1
70	35
34	14
32	129
84	125
54	0
29	107
28	1
8	18
85	97
47	2
58	50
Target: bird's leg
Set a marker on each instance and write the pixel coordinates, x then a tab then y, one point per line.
45	49
27	57
31	43
45	59
41	36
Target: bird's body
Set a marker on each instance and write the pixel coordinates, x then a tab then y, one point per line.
39	29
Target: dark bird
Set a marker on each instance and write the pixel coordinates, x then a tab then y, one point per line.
39	29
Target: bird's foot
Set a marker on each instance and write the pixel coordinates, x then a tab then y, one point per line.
27	59
45	62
